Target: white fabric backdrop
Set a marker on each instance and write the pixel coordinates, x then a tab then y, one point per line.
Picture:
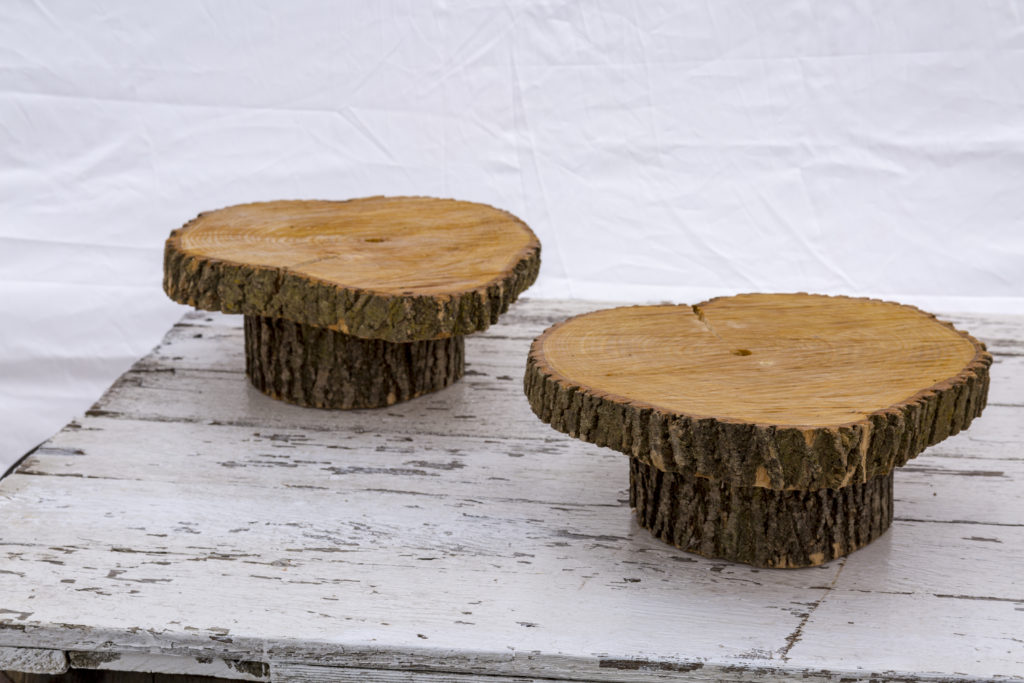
673	150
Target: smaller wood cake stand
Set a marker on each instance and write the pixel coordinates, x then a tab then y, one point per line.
763	428
353	304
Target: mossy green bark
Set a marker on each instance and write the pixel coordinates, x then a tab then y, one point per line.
759	526
230	287
321	368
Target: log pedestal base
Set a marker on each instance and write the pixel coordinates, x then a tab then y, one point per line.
759	526
322	368
779	401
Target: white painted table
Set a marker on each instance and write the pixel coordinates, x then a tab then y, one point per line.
190	524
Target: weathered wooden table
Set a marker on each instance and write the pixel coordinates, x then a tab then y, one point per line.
190	524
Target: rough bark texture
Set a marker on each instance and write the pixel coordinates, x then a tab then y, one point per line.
748	454
321	368
758	526
236	288
233	287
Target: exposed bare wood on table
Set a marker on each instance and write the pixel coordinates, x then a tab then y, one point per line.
191	524
354	304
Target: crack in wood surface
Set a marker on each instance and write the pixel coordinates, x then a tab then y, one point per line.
793	638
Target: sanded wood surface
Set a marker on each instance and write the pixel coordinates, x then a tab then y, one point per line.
779	391
189	523
394	268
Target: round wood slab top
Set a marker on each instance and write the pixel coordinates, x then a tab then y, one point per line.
776	390
394	268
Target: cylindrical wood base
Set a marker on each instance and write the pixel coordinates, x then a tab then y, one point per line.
759	526
322	368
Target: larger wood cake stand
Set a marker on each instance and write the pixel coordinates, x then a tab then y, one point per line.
354	304
763	428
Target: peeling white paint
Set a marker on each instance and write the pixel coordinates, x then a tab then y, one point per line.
32	660
190	521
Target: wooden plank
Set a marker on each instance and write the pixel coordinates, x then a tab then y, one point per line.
362	556
303	673
470	407
169	664
33	660
891	632
976	491
550	469
553	471
1003	334
632	671
384	556
200	519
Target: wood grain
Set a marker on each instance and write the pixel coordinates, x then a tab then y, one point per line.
188	519
777	391
393	268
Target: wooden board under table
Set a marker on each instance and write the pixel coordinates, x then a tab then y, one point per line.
190	524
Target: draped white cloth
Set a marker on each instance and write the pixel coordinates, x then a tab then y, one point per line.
661	150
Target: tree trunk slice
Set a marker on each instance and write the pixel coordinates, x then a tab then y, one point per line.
755	525
353	304
394	268
764	402
783	391
321	368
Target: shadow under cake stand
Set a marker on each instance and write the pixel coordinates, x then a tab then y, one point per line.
353	304
762	428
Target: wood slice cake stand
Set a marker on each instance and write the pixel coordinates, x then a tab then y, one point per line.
353	304
763	428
